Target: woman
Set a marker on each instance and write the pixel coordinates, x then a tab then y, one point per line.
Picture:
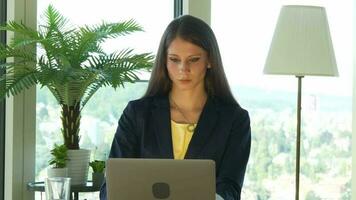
188	111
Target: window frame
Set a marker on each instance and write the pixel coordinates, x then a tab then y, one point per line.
198	8
353	142
2	106
20	119
180	7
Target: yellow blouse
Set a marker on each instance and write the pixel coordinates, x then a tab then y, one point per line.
180	138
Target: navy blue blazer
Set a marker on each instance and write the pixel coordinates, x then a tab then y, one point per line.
222	134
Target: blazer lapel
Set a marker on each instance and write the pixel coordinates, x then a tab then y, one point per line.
204	129
162	123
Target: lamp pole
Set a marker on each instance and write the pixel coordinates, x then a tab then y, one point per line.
301	31
299	108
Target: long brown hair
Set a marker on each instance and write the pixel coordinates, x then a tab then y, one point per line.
197	32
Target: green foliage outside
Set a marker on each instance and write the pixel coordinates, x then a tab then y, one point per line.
326	139
346	191
325	150
312	196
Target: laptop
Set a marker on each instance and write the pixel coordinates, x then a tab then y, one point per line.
149	179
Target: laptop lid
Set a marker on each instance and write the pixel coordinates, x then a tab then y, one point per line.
141	179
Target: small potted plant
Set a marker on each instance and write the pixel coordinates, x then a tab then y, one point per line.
98	167
58	162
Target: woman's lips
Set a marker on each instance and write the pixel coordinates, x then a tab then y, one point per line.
184	81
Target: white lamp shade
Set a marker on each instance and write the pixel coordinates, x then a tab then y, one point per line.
301	44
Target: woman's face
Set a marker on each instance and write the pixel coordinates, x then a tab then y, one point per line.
186	64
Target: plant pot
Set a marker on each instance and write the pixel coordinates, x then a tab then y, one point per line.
98	179
78	166
57	172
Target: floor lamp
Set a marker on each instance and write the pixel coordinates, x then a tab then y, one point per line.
301	46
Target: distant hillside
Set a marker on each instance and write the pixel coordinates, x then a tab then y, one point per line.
256	98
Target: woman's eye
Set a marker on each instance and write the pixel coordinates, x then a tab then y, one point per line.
174	60
194	59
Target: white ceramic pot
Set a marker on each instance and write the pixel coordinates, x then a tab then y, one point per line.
78	166
57	172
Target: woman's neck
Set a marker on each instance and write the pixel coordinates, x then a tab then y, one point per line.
188	100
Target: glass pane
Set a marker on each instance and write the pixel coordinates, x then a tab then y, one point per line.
100	116
244	30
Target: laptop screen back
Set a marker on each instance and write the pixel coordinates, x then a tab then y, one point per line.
138	179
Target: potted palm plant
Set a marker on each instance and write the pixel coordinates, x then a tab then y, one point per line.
58	162
73	67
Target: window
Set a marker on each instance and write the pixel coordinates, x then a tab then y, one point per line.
99	118
244	30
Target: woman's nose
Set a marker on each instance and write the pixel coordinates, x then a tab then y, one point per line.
184	67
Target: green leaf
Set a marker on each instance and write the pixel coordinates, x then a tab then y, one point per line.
59	156
97	166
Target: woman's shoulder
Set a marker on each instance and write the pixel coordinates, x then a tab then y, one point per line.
227	104
230	109
148	102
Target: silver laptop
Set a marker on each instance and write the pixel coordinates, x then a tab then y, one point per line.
146	179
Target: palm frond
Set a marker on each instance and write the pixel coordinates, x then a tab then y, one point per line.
55	93
70	93
17	79
20	53
112	30
4	66
125	58
84	45
24	42
92	89
115	69
89	38
54	20
59	39
21	29
125	28
49	73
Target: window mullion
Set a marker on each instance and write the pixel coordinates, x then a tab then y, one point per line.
2	107
178	8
